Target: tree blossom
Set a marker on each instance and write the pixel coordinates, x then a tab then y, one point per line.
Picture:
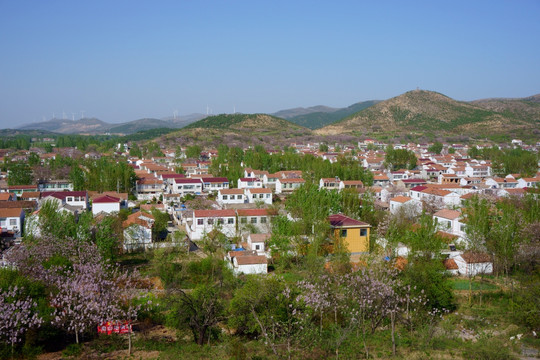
17	315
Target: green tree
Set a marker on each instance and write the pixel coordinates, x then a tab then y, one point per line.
19	173
193	152
436	148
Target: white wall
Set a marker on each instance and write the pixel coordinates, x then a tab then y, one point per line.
105	207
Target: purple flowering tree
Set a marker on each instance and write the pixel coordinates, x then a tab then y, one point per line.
17	315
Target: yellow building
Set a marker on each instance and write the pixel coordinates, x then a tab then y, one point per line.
353	234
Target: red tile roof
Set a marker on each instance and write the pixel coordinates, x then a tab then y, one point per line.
106	199
340	220
214	213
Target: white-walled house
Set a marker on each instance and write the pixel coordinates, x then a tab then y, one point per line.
204	221
55	185
449	221
257	242
187	186
260	219
254	195
107	204
270	180
474	263
351	184
138	231
78	199
148	188
214	183
250	183
231	196
528	182
247	262
329	183
410	206
12	221
288	185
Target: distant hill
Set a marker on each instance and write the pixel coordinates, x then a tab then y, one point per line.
259	122
299	111
526	108
239	130
64	126
95	126
319	119
422	111
140	125
15	132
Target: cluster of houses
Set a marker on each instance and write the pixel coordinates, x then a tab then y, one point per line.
439	184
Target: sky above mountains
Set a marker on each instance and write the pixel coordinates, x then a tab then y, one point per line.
123	60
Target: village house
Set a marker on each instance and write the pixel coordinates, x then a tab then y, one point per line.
270	180
250	183
138	231
106	204
204	221
405	204
474	263
260	219
351	184
528	182
288	185
18	190
246	262
12	222
214	183
231	196
257	242
258	195
149	188
329	183
186	186
449	221
55	185
351	233
76	199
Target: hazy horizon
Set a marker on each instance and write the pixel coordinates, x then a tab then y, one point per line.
122	61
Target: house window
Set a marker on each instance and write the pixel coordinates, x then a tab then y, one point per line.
268	196
200	221
363	232
230	221
70	199
210	221
12	222
343	232
253	220
220	221
225	197
243	220
263	219
257	247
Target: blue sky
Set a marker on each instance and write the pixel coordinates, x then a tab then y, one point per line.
123	60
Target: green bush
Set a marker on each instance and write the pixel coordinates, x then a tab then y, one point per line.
486	349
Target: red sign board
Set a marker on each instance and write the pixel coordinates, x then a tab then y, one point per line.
110	327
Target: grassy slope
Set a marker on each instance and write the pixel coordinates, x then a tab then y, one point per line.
427	111
320	119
